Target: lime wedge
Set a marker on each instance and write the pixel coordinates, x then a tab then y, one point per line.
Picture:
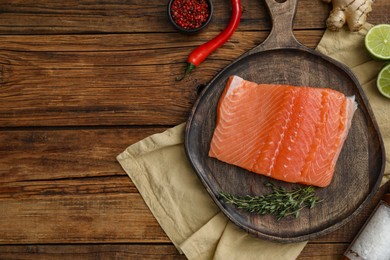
377	41
383	81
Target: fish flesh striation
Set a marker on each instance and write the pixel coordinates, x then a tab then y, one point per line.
289	133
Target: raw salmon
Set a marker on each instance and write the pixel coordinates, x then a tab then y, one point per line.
289	133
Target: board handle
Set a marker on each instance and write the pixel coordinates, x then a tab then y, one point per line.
282	14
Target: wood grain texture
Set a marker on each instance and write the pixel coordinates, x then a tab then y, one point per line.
56	154
86	201
136	251
121	16
105	251
321	248
101	80
80	80
29	198
92	218
68	79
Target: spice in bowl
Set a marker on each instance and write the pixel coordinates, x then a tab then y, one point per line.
190	15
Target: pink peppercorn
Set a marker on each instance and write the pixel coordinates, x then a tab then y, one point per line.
190	14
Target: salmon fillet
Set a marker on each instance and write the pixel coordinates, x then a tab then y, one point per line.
294	134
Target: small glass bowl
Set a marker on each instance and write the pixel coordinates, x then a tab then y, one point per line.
190	31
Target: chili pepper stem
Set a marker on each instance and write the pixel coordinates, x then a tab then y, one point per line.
190	67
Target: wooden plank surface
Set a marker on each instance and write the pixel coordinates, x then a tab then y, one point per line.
98	79
122	16
80	80
131	251
59	154
96	218
86	252
71	176
101	80
77	212
135	251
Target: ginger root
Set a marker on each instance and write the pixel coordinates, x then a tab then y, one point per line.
352	12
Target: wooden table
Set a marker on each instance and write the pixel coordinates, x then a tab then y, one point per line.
80	80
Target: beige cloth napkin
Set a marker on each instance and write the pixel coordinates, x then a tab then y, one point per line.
159	168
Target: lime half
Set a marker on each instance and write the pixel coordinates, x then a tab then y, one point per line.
383	81
377	41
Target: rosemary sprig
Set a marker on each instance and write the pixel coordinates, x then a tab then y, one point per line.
281	202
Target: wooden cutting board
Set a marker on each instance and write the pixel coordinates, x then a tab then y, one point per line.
281	59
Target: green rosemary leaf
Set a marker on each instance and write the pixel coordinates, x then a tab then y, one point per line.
280	202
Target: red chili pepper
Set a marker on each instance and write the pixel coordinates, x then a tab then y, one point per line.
198	55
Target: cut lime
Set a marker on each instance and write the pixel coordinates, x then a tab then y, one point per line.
383	81
377	41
